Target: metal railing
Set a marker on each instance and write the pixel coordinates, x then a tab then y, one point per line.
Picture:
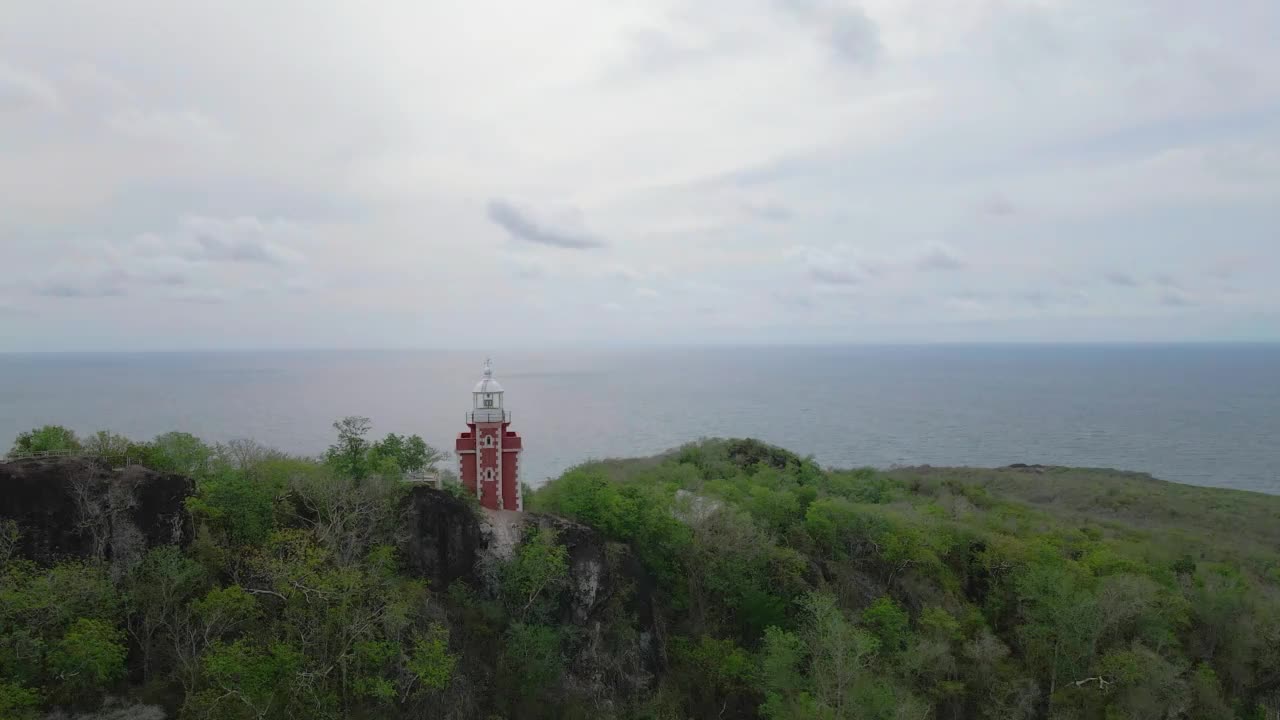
488	415
425	477
114	458
23	455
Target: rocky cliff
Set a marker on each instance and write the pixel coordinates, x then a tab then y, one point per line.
74	508
79	508
607	594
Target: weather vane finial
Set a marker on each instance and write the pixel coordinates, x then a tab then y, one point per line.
488	367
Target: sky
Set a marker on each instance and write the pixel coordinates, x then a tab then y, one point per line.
288	174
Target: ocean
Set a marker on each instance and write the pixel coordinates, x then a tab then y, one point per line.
1200	414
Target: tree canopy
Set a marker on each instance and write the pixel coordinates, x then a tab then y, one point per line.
778	589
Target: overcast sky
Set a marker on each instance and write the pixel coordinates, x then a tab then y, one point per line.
248	174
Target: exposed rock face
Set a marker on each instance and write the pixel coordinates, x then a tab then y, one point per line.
445	537
78	508
73	508
449	539
608	594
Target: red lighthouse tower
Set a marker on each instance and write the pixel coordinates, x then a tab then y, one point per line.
489	453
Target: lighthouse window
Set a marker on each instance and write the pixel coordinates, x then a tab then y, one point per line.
488	401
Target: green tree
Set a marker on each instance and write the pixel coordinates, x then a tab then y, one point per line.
246	677
245	455
531	662
49	438
89	657
349	456
889	623
410	454
389	672
38	608
430	663
641	516
1137	683
111	447
238	508
787	687
826	671
18	702
713	673
536	572
839	653
210	619
1061	624
331	612
181	453
1207	702
159	589
345	515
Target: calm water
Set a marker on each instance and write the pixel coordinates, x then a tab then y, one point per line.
1208	415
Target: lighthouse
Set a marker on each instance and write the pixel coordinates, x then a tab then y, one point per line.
489	453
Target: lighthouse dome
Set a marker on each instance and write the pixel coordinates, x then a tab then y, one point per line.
487	384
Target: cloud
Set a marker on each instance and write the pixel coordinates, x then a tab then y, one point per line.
202	297
938	257
696	36
834	266
22	90
1176	299
834	275
861	129
522	227
1121	279
201	258
71	285
526	268
650	50
998	206
1034	298
1043	299
853	36
163	271
646	292
770	212
236	240
73	289
115	273
847	30
14	310
843	265
178	127
794	301
625	273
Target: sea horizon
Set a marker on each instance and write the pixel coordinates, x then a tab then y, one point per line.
1192	412
652	346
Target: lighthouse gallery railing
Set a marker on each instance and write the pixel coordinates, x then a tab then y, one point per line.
488	416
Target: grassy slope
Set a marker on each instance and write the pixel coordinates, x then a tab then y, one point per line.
1207	523
1170	519
993	547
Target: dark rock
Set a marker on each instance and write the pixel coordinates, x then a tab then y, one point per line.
1037	469
444	536
449	539
78	508
607	593
750	453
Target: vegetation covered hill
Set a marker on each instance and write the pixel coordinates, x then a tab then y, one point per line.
776	589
